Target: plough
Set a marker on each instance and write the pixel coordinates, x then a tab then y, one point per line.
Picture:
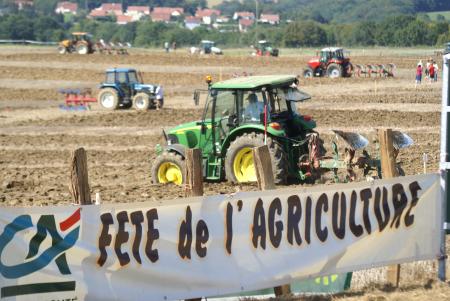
77	99
377	70
351	161
112	48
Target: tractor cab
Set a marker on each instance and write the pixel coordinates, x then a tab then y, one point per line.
261	106
209	47
206	46
327	54
81	36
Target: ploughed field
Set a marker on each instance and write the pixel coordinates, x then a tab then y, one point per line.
36	137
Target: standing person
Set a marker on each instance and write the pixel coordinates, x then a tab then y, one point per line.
166	46
174	46
418	74
427	69
431	71
436	70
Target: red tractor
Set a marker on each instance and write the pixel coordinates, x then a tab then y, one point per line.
331	62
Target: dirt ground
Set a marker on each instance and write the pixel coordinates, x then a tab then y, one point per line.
36	137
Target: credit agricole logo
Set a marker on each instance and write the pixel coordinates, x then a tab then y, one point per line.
63	237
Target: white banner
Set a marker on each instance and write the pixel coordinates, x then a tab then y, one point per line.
215	245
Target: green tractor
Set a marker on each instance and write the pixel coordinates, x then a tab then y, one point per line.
247	112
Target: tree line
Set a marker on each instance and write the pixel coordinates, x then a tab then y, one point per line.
404	30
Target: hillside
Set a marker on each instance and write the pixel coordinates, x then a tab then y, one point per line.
339	11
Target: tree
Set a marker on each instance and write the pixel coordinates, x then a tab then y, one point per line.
306	33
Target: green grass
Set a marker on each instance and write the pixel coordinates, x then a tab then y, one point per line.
433	15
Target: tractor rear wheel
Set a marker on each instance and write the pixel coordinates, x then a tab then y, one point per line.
334	71
169	167
82	49
308	72
108	99
141	101
239	166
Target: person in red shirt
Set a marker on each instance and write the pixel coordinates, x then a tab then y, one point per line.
431	72
418	74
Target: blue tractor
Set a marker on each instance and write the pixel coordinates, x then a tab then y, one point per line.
124	87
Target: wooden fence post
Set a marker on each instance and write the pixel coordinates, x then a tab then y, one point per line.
389	170
264	174
194	178
79	182
194	173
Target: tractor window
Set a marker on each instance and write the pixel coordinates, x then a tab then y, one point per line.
252	106
110	78
122	77
132	77
278	101
225	114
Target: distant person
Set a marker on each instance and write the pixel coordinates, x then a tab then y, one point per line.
427	69
174	46
418	74
159	97
254	108
431	72
436	71
166	46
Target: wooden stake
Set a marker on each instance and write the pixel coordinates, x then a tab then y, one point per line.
79	183
389	170
194	174
194	178
264	174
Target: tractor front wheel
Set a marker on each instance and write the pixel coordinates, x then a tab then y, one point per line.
62	50
334	71
308	72
141	102
239	166
168	167
108	99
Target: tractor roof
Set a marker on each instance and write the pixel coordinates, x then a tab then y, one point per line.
80	33
253	82
121	70
332	49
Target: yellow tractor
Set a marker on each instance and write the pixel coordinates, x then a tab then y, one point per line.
80	42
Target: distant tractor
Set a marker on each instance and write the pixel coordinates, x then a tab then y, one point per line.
124	87
264	48
80	42
331	63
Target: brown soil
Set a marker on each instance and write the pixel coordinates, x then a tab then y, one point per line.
36	138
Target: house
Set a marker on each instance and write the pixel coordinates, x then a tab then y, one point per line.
112	8
172	11
97	13
164	14
272	19
105	10
245	24
191	22
207	15
21	4
124	19
156	17
137	12
244	15
66	8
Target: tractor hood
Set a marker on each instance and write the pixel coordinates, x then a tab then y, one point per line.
188	126
148	87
